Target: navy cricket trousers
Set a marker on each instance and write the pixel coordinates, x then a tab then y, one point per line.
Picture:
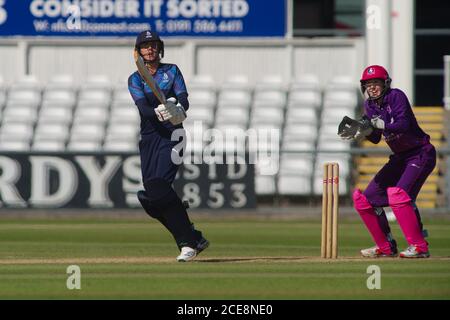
156	162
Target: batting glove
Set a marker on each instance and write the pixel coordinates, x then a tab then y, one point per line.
176	111
162	113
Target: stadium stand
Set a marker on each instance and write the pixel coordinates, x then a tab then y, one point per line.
237	81
200	82
61	81
100	115
305	82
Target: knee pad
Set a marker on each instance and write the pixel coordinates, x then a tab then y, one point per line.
150	209
398	197
157	188
360	201
160	193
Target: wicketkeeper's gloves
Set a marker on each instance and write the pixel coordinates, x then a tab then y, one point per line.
355	129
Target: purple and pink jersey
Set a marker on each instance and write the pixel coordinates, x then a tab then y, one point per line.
402	132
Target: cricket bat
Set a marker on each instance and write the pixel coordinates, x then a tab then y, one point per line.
148	78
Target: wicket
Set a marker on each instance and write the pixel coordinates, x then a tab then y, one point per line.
330	208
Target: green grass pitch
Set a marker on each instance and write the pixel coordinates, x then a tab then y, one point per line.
248	258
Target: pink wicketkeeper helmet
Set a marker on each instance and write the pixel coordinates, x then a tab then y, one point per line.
374	72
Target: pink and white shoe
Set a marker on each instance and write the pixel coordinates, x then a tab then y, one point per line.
375	252
414	252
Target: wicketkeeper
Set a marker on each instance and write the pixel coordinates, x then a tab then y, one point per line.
158	121
388	114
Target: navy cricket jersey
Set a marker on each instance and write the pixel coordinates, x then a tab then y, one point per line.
171	81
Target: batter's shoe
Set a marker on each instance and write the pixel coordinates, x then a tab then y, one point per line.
375	252
187	254
202	244
414	252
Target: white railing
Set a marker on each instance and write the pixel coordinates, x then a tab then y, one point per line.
220	58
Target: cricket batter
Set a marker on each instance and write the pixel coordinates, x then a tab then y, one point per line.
389	114
158	121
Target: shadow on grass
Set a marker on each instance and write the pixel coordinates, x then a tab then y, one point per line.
250	259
